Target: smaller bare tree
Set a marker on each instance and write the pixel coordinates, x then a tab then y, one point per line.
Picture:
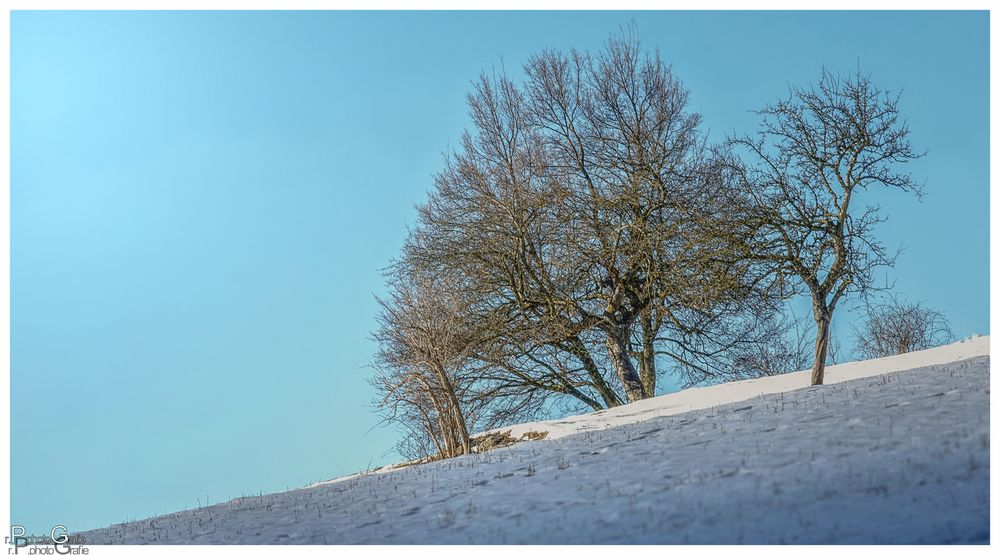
420	362
898	327
814	153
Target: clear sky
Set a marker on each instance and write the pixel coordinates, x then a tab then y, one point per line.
201	203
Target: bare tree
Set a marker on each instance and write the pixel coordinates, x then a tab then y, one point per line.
423	349
495	220
814	152
898	327
580	203
434	369
569	253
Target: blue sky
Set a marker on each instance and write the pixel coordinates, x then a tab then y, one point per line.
201	202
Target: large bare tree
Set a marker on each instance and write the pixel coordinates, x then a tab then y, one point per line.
801	173
579	226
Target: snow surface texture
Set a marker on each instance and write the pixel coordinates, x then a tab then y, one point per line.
890	458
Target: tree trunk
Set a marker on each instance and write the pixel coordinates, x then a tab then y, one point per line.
442	418
463	430
616	338
458	417
449	445
575	346
822	316
647	364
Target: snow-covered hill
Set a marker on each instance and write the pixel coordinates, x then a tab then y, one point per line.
704	397
894	450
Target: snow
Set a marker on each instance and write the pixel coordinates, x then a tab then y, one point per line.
697	398
894	450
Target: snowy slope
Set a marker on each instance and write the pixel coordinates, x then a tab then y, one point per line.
704	397
878	455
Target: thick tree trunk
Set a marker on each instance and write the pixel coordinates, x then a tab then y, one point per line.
463	430
617	342
576	347
647	364
822	316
